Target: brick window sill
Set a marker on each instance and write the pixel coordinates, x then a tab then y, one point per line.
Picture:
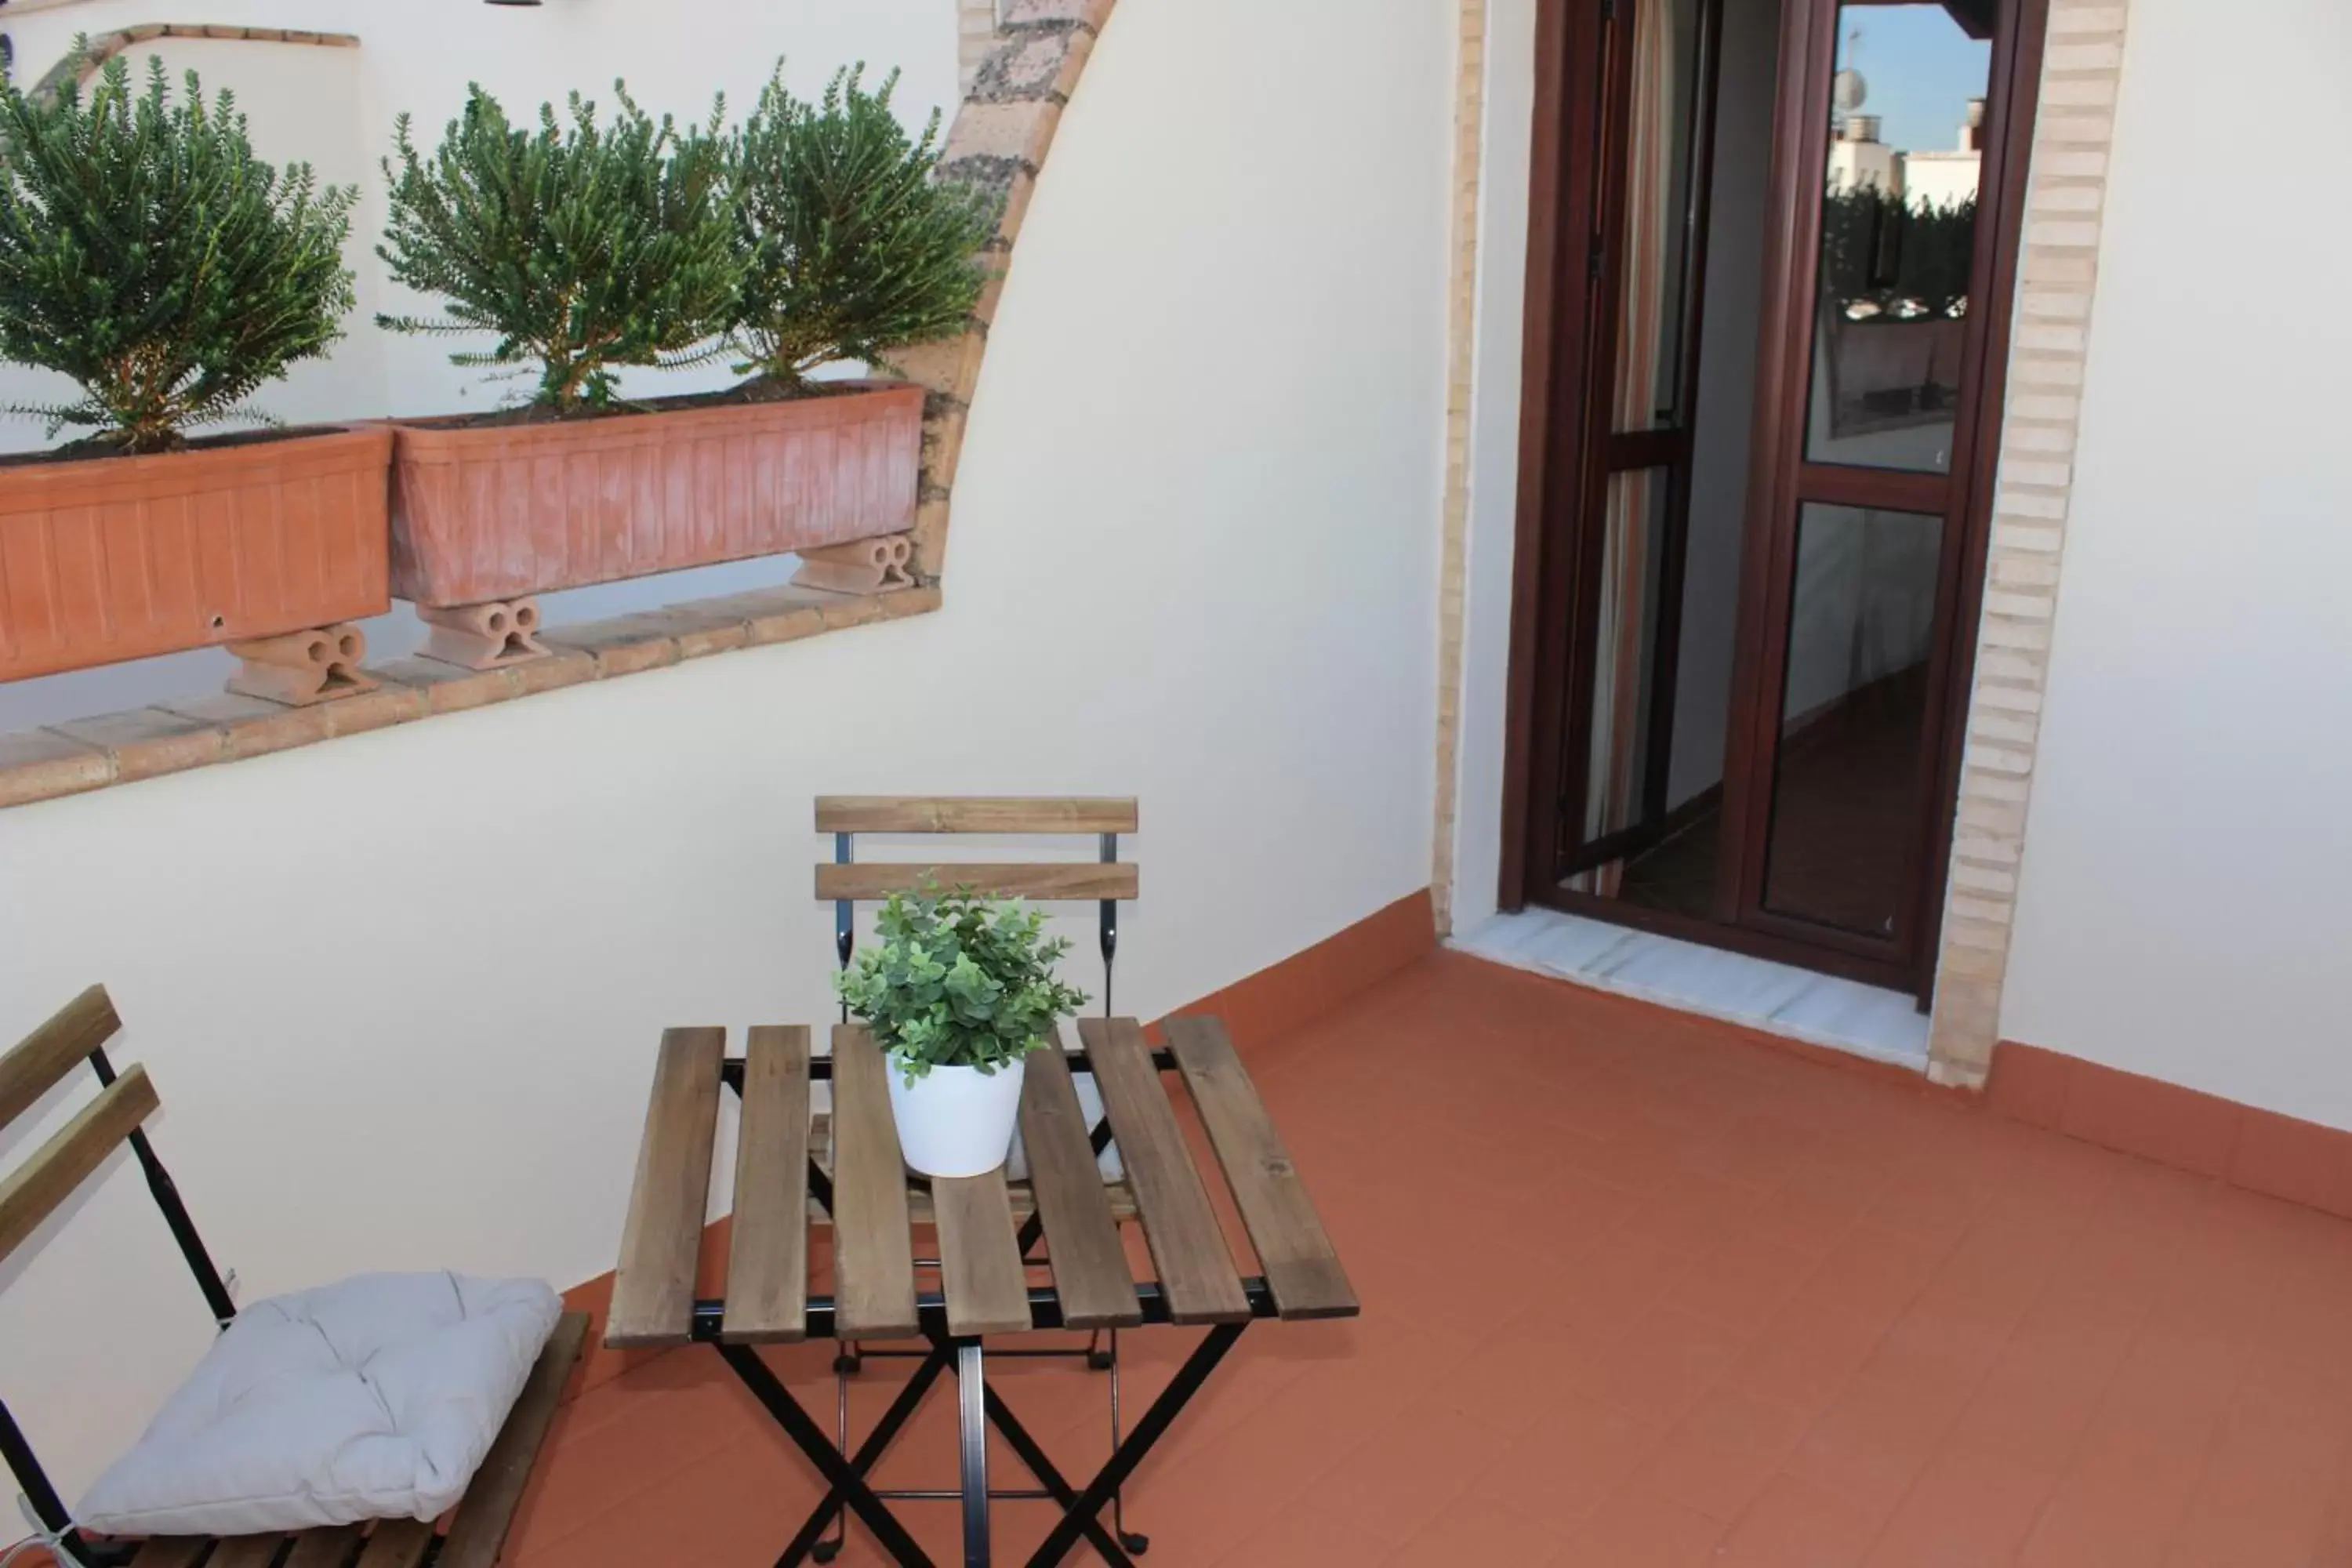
84	755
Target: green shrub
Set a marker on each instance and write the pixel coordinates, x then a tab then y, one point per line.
853	248
584	247
957	980
146	252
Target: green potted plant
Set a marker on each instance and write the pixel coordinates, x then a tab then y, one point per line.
958	990
588	245
854	248
147	255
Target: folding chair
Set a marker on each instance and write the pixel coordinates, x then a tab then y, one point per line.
42	1184
845	881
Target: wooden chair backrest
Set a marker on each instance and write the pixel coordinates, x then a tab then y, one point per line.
40	1186
840	880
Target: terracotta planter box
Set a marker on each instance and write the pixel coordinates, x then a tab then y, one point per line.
496	511
118	558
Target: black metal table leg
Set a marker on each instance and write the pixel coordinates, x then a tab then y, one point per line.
869	1453
1147	1432
971	1380
831	1463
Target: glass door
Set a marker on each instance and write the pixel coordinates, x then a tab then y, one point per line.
1646	257
1868	439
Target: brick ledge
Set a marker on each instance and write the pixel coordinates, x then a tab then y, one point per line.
84	755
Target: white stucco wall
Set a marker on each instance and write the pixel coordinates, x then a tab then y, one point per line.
401	992
2181	911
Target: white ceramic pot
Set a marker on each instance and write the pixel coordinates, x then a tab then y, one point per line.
956	1122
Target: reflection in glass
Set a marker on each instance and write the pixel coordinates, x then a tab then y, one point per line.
1845	780
1664	39
1625	654
1898	236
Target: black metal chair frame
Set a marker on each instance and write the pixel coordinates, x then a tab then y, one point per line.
38	1492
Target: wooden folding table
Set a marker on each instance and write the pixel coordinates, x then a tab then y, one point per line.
987	1231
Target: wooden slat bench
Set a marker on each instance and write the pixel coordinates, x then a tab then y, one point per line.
78	1035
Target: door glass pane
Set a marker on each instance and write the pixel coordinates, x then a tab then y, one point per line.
1898	233
1845	778
1664	39
1625	650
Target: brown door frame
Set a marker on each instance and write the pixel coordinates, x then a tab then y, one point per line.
1563	301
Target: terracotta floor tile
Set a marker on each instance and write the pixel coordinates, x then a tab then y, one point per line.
1637	1531
1964	1511
1716	1458
1686	1301
1805	1356
1477	1530
1306	1535
1666	1365
1561	1472
1793	1524
1404	1475
1874	1440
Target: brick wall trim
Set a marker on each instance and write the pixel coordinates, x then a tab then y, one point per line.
2074	133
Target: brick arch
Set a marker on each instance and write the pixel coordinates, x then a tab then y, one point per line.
80	68
998	139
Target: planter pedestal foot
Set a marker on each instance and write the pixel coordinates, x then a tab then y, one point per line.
867	566
483	637
304	667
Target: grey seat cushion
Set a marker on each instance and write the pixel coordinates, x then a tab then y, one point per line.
373	1398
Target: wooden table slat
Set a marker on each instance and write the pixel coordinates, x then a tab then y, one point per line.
767	1262
652	1289
979	1255
1294	1252
873	1255
1090	1271
1196	1269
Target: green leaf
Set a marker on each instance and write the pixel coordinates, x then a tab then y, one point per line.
854	247
955	980
583	246
146	252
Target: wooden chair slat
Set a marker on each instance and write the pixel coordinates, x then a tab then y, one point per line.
171	1551
1188	1247
247	1552
1294	1252
974	814
1090	1271
397	1543
652	1289
767	1260
333	1547
34	1190
980	1257
874	1249
479	1529
37	1064
1049	880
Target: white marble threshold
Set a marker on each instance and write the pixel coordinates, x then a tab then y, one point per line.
1777	998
